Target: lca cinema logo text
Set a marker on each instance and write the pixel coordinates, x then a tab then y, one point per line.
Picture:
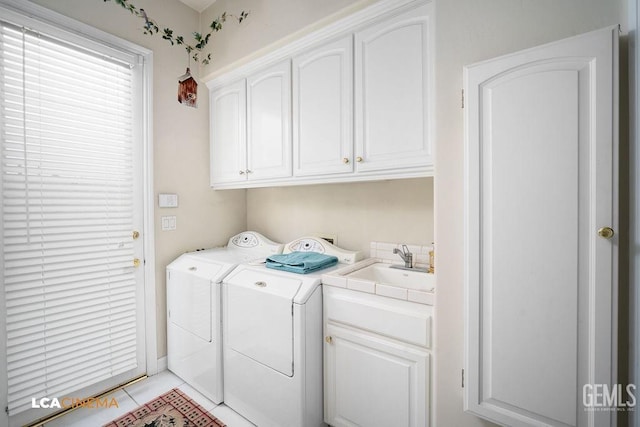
73	402
605	397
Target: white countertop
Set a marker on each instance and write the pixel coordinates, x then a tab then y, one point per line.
339	278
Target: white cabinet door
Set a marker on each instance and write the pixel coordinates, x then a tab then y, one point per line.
323	109
228	134
269	122
394	93
540	283
372	381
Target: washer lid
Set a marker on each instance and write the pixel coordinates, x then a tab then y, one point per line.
195	266
261	280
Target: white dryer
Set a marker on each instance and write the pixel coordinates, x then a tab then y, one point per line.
272	333
194	342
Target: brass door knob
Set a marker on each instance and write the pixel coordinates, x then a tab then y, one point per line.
136	262
328	339
606	232
136	234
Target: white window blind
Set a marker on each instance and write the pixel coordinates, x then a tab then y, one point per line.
66	144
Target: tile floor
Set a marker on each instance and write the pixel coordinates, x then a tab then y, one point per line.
140	393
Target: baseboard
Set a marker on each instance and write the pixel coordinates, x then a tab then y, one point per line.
162	364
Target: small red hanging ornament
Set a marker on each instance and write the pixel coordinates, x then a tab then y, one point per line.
188	89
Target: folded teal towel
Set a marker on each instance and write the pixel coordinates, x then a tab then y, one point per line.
301	262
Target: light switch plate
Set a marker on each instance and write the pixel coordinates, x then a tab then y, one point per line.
167	200
168	223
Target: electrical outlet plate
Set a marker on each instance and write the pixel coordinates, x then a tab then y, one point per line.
331	238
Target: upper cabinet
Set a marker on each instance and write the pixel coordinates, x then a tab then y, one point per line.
393	71
323	109
251	128
350	102
228	134
269	122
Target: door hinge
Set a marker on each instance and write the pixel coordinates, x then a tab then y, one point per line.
6	409
462	98
463	378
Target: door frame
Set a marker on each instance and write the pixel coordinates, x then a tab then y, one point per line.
57	20
634	201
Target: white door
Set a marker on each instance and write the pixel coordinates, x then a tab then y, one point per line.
269	122
323	109
373	381
228	134
393	92
72	197
540	280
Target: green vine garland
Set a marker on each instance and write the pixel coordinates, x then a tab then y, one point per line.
151	28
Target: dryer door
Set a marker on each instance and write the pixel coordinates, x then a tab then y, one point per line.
259	313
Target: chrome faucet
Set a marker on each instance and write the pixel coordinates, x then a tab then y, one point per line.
406	256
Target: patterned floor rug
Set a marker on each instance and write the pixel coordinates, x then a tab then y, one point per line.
172	409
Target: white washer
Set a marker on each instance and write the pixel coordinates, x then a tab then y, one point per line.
194	342
272	333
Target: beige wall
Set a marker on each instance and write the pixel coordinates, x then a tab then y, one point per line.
388	211
180	137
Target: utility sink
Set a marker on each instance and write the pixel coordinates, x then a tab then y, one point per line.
382	273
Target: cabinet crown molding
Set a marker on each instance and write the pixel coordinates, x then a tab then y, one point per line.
338	29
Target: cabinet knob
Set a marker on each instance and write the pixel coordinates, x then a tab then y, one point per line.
606	232
328	339
359	159
249	171
345	160
241	172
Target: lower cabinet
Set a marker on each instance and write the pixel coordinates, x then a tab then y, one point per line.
371	379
